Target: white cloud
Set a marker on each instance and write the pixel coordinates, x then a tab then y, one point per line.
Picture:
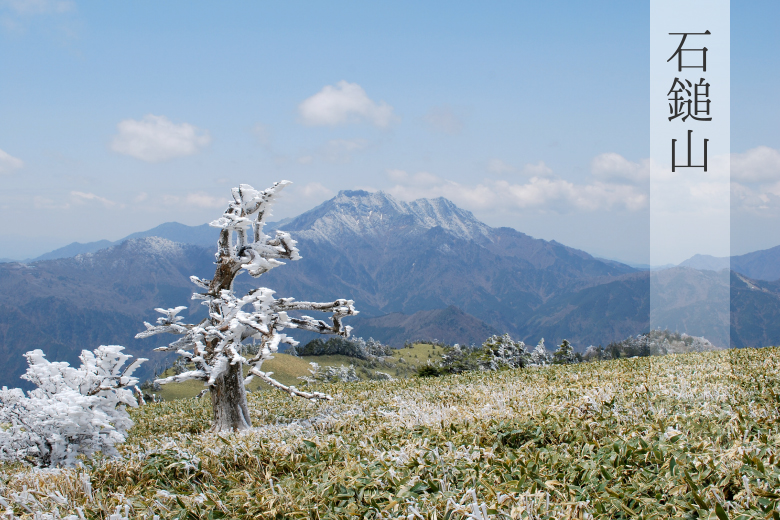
156	138
538	192
772	189
80	197
561	195
8	163
443	119
342	104
30	7
74	198
755	180
397	175
612	167
760	164
417	179
761	199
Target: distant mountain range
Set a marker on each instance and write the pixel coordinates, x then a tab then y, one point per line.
203	235
66	305
759	265
423	269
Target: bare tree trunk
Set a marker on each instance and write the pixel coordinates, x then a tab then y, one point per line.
228	401
228	395
230	411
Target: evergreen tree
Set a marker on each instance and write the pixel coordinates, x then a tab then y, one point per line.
564	355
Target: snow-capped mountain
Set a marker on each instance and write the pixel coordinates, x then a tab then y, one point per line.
404	264
353	214
394	256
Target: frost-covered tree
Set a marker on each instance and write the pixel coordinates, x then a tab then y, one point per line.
593	353
215	345
564	355
504	352
330	374
73	411
457	359
658	343
371	350
539	355
497	352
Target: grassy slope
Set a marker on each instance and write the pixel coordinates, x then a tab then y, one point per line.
288	368
663	437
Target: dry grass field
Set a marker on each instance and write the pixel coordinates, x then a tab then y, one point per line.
683	436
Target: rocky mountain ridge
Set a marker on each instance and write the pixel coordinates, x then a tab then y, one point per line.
413	269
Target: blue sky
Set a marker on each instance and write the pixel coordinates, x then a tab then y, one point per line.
116	117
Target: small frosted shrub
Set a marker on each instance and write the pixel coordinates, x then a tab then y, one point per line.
73	411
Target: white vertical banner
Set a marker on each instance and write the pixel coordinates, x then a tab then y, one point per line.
690	165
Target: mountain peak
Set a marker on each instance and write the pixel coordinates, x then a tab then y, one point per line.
363	213
353	193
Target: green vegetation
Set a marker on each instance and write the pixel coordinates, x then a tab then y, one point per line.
656	343
410	358
287	369
564	355
682	436
352	347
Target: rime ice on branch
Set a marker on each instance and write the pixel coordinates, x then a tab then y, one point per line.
215	346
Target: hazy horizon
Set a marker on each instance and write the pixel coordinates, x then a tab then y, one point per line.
120	117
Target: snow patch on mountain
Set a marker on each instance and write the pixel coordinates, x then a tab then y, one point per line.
146	247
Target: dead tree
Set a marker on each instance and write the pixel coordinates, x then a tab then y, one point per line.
214	347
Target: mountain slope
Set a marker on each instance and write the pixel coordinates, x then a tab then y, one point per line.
203	235
75	249
426	256
66	305
758	265
595	315
450	325
420	269
755	312
394	256
683	299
